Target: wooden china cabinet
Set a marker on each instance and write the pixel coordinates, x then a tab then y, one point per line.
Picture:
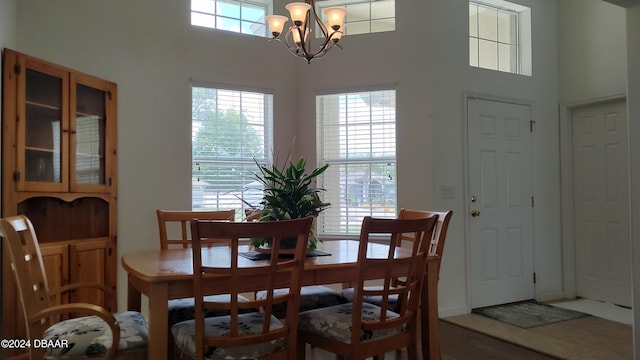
59	169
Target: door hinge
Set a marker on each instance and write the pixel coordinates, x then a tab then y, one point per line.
109	94
110	251
534	278
16	176
531	123
533	201
109	181
17	69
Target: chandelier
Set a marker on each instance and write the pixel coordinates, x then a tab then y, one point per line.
297	38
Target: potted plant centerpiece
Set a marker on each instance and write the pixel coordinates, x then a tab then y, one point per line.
289	193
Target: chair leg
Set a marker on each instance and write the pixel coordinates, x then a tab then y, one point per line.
301	350
412	353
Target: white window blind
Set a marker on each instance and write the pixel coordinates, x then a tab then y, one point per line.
232	130
357	138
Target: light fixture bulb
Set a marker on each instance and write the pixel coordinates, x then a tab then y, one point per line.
298	12
276	24
335	16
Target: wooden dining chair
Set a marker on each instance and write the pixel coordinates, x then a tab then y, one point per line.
175	231
430	325
359	329
174	225
311	296
255	335
429	320
58	326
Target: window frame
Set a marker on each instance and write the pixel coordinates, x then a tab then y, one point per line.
522	41
266	4
327	225
322	4
248	165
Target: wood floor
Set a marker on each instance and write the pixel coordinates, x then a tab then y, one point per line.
590	338
459	343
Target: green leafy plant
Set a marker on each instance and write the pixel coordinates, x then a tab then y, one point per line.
290	193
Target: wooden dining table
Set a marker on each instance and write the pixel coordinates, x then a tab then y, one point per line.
168	274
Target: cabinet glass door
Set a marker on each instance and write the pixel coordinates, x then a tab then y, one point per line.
43	133
91	128
90	136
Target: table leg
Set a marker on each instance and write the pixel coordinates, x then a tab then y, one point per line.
158	321
134	297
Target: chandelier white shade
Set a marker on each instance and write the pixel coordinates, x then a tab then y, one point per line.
297	38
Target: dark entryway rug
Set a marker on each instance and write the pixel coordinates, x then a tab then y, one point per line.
528	314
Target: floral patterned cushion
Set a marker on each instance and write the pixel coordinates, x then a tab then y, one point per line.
311	297
91	336
375	300
182	309
249	323
335	322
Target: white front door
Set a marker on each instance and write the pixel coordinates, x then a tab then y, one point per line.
501	202
601	203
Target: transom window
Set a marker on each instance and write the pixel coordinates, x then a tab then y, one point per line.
500	36
364	16
241	16
231	132
357	138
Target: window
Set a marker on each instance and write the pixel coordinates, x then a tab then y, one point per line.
357	138
231	131
500	36
241	16
364	16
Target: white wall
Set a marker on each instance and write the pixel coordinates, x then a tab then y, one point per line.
453	78
7	23
633	58
593	50
427	57
151	51
7	27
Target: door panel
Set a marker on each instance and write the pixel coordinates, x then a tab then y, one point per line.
500	189
89	259
601	203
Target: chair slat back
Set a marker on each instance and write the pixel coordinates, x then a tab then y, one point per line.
28	268
174	225
436	246
409	268
287	270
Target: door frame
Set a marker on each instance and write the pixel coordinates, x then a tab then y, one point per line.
466	96
566	188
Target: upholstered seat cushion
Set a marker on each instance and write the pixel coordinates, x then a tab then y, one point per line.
91	336
311	297
182	309
334	322
249	323
376	300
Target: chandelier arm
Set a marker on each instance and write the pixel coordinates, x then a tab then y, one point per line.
319	21
295	50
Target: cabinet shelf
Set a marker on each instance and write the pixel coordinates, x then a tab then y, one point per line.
43	150
42	105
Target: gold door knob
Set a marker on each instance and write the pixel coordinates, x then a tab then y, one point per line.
475	213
